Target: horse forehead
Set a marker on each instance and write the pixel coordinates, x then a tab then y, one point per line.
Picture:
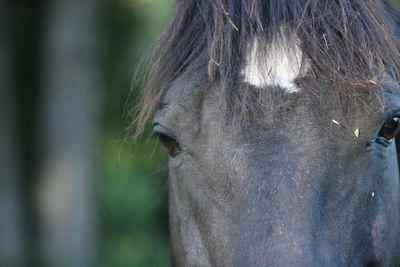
277	64
188	87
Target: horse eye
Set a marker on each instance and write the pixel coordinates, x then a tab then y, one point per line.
389	130
168	142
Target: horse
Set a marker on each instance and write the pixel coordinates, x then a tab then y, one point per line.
280	119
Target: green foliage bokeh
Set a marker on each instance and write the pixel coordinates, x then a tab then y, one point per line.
132	180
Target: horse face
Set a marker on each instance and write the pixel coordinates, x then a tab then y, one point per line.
301	181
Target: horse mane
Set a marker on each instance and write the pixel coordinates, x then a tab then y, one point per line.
347	41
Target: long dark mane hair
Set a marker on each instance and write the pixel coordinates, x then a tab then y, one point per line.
346	40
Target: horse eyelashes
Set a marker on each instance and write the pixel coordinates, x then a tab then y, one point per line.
389	130
170	143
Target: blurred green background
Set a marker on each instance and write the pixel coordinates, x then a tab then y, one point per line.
74	189
132	186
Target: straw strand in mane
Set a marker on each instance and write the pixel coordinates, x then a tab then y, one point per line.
346	40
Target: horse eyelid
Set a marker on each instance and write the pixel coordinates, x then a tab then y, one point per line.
389	129
158	129
168	140
155	133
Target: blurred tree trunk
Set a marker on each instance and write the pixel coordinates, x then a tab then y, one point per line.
66	189
11	234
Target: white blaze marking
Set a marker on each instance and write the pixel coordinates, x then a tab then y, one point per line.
280	66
